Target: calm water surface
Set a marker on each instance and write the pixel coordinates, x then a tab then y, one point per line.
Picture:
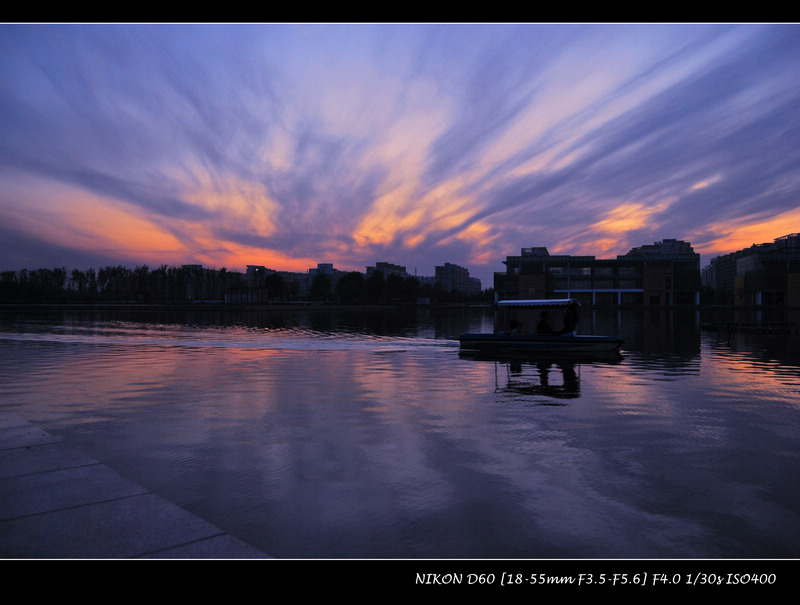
364	434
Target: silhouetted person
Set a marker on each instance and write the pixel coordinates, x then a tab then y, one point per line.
570	320
544	327
514	325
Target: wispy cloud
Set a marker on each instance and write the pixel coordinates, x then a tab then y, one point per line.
288	145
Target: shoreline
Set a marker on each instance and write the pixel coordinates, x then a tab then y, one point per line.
206	306
222	306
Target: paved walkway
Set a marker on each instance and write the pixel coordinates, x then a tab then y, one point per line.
57	503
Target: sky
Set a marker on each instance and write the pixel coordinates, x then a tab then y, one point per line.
288	145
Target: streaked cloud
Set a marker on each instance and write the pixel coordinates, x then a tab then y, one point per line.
288	145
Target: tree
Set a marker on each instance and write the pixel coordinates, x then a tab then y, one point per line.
320	288
351	288
276	286
411	289
141	283
394	286
376	287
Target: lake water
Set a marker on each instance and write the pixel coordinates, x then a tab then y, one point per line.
364	433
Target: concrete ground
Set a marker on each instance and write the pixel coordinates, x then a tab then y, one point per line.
57	503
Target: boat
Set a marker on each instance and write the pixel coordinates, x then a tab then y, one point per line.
522	338
532	343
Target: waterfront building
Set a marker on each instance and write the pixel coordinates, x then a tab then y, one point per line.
328	270
663	273
764	274
256	290
387	269
297	284
474	286
426	280
453	278
256	274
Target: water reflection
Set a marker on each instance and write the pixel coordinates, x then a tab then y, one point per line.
548	378
542	383
357	434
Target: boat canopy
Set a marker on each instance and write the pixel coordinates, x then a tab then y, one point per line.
548	302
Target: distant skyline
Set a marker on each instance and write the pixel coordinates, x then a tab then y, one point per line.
289	145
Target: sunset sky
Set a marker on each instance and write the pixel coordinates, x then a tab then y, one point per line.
289	145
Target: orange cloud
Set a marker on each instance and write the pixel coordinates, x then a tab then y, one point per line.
604	247
398	215
737	235
705	183
237	257
627	217
233	201
79	220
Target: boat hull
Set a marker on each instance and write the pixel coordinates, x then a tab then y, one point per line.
541	344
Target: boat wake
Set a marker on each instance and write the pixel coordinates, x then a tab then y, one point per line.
295	339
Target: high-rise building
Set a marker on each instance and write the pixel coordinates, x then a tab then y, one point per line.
453	278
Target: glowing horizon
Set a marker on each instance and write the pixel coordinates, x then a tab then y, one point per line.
290	145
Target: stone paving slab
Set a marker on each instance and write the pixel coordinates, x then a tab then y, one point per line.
25	436
10	420
222	546
57	503
18	461
48	491
125	528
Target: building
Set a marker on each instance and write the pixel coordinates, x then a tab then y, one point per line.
663	273
387	269
256	274
453	278
328	270
762	275
474	286
670	272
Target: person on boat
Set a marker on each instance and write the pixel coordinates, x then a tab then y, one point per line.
514	325
570	321
544	327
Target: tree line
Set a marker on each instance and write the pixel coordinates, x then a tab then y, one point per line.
113	284
193	283
355	288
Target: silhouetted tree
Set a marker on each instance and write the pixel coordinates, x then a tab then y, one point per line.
411	289
276	286
376	287
91	284
320	288
394	287
9	287
351	288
